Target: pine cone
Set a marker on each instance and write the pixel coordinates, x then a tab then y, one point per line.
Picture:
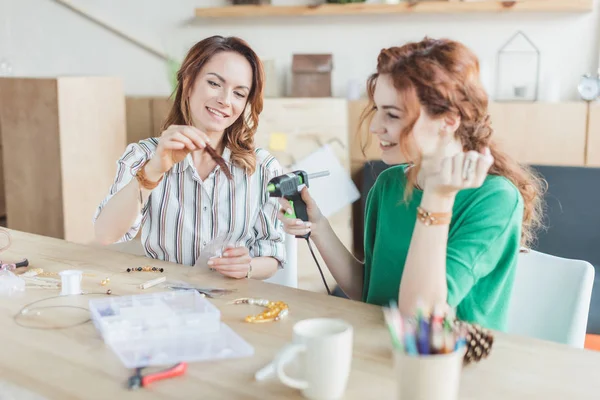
479	342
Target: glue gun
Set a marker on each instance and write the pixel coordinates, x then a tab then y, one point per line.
289	187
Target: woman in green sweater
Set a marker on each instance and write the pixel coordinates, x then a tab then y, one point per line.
445	224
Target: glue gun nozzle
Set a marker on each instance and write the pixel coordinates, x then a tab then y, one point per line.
318	174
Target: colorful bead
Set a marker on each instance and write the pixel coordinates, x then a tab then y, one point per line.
145	268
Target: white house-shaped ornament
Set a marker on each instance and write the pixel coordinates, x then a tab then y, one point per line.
517	70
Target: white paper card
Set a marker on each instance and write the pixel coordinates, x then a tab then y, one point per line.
332	192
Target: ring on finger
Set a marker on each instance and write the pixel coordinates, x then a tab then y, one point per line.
468	169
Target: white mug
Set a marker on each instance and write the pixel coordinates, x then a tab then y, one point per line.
323	349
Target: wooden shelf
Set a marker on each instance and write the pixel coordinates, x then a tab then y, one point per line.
425	7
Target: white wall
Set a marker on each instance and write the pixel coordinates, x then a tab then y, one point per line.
42	38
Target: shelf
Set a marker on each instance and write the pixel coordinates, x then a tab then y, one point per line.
425	7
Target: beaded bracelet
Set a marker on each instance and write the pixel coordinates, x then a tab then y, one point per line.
146	269
275	310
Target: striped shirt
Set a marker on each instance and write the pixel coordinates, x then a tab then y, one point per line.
185	213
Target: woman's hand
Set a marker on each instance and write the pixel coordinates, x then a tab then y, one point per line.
294	226
462	171
235	262
175	143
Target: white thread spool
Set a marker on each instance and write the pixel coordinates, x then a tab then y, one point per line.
70	281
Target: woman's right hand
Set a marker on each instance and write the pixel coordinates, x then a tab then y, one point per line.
295	226
175	143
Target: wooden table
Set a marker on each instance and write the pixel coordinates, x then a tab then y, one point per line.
74	363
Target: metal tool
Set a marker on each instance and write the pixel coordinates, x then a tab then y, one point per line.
138	380
208	292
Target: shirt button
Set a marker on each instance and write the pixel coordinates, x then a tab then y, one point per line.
204	208
204	243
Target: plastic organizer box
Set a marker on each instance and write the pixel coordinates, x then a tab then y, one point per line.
165	328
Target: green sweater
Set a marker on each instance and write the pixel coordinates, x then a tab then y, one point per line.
483	245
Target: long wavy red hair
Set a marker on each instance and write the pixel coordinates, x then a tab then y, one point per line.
442	76
239	137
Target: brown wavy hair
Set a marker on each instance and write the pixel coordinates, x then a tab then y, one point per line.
239	137
442	76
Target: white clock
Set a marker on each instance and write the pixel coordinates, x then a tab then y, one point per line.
589	87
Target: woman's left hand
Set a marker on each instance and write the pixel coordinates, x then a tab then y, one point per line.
463	171
235	262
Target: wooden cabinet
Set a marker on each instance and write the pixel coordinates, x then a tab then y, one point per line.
145	117
593	136
139	118
61	138
542	133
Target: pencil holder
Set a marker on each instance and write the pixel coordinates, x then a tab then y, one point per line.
428	377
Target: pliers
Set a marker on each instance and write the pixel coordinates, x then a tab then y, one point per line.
12	267
138	380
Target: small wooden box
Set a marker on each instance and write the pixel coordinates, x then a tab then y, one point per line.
311	75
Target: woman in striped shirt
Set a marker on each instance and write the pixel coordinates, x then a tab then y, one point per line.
202	180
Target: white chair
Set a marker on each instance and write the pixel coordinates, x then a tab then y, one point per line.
551	298
288	276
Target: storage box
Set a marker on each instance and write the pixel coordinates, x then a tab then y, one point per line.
165	328
311	75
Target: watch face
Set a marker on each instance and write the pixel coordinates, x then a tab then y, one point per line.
589	88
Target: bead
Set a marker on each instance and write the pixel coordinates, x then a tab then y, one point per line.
162	269
103	282
153	268
109	291
139	268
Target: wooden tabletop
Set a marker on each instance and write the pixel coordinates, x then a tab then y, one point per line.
74	363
